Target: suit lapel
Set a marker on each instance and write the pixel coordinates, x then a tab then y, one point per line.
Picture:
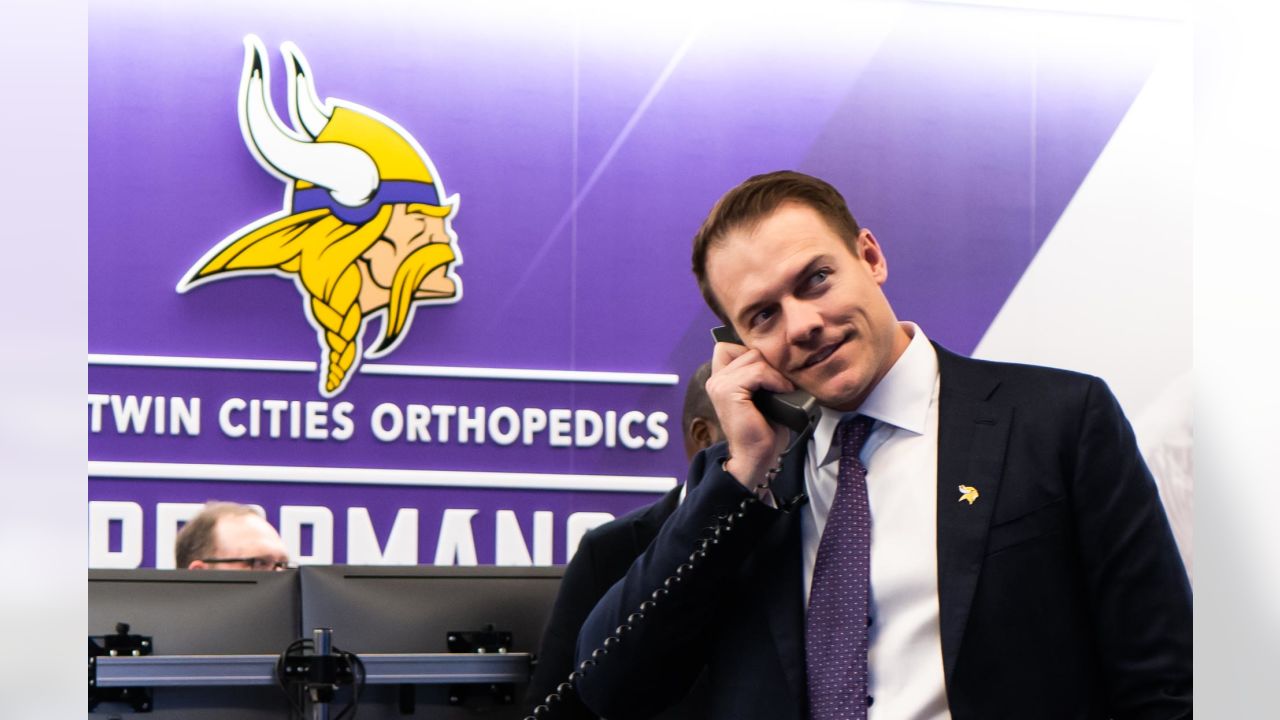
972	434
780	575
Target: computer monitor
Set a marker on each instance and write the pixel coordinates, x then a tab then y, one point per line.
412	610
200	612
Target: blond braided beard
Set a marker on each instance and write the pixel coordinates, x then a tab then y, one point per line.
339	314
322	251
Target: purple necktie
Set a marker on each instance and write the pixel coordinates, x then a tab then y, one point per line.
835	627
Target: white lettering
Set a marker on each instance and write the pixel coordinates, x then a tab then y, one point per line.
630	441
509	541
320	519
133	413
119	532
542	537
380	430
457	544
342	419
169	519
611	428
274	408
362	541
295	419
496	418
443	413
130	411
255	418
561	427
419	424
658	435
510	544
588	428
317	419
468	424
102	513
577	525
184	416
389	421
229	428
535	421
96	402
158	406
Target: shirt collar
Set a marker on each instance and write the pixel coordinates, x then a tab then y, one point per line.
901	398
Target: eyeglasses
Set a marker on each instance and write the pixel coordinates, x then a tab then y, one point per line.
254	563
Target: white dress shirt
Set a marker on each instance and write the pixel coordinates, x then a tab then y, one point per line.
905	677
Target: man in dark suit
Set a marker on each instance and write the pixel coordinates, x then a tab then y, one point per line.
956	539
602	558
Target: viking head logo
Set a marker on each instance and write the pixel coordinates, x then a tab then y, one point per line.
365	228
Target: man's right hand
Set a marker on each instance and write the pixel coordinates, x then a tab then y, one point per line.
754	442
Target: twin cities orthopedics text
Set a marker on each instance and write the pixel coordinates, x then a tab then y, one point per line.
388	422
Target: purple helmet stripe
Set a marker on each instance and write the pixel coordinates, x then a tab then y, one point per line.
389	192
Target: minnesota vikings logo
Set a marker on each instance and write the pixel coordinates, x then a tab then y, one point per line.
365	228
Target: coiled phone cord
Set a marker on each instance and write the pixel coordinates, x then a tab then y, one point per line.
724	526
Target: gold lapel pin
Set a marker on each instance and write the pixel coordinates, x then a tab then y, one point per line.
968	493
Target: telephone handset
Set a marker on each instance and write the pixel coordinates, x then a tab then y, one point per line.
793	410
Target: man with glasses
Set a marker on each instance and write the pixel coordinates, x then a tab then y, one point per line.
229	536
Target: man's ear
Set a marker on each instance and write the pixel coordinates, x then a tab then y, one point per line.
197	565
872	256
699	437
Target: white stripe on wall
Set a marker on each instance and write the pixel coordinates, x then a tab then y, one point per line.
589	376
379	476
168	361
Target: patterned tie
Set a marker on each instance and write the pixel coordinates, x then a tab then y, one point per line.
835	632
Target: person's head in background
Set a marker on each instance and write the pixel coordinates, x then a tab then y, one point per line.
229	536
699	422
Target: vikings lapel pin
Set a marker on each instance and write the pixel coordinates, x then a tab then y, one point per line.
968	493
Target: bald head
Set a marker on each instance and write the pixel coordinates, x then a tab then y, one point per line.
229	536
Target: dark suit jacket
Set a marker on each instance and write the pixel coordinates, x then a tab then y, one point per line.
1061	592
602	558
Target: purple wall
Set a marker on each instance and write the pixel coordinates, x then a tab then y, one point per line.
585	151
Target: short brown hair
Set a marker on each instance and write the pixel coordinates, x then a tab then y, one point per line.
197	540
757	197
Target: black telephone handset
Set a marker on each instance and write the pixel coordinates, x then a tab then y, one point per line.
793	410
797	411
